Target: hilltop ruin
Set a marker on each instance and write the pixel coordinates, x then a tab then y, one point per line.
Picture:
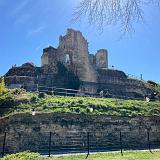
72	66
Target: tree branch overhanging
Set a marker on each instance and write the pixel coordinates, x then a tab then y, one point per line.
102	13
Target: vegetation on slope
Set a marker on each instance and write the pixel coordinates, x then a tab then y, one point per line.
154	86
17	100
2	86
134	155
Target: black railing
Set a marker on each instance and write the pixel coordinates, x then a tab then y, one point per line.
72	92
79	142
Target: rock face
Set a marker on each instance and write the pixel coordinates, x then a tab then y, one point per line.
71	63
69	132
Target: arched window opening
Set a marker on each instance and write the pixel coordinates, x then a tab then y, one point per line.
67	58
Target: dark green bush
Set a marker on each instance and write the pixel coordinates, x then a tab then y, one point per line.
34	99
41	95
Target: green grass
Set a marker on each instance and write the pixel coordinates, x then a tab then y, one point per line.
22	101
134	155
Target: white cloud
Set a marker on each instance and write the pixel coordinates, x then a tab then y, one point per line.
35	31
19	16
19	7
22	19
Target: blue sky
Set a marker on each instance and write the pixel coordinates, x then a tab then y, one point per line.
28	26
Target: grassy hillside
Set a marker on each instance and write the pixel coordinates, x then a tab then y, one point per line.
134	155
16	100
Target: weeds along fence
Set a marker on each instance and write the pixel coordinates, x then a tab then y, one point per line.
72	92
54	142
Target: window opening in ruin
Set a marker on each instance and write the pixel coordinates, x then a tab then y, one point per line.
67	58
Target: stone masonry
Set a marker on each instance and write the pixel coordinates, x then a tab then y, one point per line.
69	132
73	53
71	61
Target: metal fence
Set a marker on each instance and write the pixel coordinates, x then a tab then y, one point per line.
51	143
72	92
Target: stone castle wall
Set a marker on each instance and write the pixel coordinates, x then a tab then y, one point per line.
75	45
49	56
27	132
102	58
73	53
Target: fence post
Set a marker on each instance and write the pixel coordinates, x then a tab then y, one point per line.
121	145
88	145
148	139
4	143
52	91
37	88
50	138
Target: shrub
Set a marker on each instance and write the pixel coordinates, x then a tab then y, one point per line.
152	83
80	101
24	156
77	110
2	86
155	86
41	95
6	100
34	99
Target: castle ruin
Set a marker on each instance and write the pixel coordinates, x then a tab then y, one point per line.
73	53
70	65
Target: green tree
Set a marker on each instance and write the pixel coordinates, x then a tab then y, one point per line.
2	85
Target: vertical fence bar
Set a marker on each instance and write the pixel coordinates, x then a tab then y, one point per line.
148	139
37	88
50	138
88	145
121	145
52	91
4	143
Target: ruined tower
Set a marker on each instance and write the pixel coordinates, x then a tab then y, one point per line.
102	58
49	56
71	66
73	53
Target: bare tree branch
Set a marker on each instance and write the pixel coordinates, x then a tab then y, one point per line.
102	13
